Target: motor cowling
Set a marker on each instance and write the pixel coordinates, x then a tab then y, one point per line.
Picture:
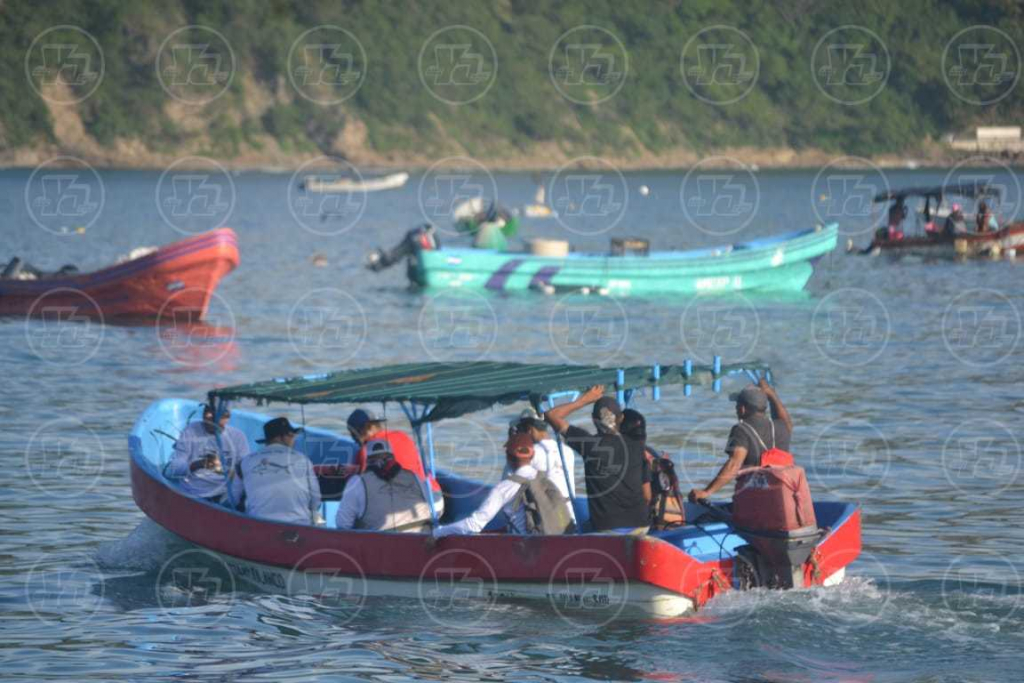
422	237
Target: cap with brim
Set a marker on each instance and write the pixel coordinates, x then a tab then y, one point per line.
752	397
276	428
360	417
378	448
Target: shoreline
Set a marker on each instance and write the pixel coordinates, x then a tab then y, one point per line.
750	159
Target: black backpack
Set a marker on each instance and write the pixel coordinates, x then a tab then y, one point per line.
664	487
546	509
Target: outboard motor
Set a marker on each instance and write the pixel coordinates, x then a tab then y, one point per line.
421	237
773	512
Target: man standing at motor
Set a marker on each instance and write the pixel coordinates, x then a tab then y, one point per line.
754	434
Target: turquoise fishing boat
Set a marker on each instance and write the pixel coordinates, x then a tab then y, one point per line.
782	263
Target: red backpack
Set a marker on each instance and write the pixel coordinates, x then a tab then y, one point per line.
771	457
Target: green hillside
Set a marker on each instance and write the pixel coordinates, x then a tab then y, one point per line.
775	78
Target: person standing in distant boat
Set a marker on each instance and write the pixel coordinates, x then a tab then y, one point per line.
985	220
897	214
956	224
754	434
278	481
199	464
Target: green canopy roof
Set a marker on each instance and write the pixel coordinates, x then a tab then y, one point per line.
454	389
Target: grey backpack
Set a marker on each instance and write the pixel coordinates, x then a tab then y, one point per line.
546	509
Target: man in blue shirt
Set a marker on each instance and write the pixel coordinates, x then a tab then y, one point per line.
197	465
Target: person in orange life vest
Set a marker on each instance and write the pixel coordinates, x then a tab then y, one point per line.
754	434
364	426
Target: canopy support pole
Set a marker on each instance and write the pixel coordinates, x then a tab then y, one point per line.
687	373
561	452
229	472
426	456
656	374
716	369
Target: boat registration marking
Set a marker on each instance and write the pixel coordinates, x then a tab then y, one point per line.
706	283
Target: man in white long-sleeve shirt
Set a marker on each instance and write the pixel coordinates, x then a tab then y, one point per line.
504	496
546	458
197	460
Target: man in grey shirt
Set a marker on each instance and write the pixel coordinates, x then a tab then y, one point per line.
198	464
279	481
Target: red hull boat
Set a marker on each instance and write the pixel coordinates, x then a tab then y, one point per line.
174	282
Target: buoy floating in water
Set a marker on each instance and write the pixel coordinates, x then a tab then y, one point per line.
644	190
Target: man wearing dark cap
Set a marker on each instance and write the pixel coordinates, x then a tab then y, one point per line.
387	497
279	481
364	425
616	471
546	457
199	464
754	434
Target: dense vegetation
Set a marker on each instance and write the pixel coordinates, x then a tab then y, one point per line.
654	110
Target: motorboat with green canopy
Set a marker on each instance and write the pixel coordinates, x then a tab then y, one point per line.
665	573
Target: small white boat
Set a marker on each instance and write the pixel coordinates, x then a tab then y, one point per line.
387	182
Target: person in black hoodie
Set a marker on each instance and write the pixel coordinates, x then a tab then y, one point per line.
616	471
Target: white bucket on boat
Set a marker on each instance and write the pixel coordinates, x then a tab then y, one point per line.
549	248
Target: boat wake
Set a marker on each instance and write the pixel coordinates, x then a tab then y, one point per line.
146	548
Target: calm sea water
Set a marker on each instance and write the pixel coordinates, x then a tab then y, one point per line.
904	381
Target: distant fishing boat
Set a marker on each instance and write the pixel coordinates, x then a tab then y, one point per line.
324	185
780	263
665	573
931	241
174	281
